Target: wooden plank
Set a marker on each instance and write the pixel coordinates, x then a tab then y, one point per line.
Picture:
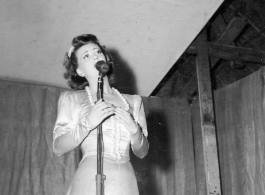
208	139
169	166
234	27
218	25
233	53
239	109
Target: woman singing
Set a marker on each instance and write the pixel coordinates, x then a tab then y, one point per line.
79	114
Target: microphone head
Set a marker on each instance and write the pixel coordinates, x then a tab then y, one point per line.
102	67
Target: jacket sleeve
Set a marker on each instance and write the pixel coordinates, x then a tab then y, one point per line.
139	142
70	120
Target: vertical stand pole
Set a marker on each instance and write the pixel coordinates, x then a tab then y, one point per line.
207	173
100	177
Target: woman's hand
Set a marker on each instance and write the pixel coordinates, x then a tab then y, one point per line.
99	112
126	119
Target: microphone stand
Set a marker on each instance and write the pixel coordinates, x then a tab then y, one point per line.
100	177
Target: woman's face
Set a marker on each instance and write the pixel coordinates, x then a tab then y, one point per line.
87	56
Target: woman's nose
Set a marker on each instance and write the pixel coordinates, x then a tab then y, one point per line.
95	57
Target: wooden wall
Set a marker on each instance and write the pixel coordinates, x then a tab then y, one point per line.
169	166
28	165
240	123
240	114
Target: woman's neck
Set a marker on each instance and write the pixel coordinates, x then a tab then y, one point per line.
106	87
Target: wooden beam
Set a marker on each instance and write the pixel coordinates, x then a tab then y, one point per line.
218	25
229	52
241	23
233	29
207	171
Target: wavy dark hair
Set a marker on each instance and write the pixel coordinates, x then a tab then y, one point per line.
74	81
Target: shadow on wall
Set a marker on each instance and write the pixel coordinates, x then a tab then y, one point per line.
124	75
156	168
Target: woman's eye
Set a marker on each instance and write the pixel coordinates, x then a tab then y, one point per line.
99	51
85	56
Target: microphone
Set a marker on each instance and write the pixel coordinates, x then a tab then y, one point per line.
102	67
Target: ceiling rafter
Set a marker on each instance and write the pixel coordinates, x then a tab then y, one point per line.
236	37
233	29
233	53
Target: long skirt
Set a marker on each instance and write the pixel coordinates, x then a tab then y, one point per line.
120	178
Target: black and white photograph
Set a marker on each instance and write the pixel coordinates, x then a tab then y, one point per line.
132	97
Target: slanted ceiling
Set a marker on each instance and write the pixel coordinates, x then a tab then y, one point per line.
236	48
146	37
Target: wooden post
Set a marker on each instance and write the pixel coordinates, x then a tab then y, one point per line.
208	174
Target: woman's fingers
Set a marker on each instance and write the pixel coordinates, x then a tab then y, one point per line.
99	112
123	114
126	119
102	110
108	111
102	106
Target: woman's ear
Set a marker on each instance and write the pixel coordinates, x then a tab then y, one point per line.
79	72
